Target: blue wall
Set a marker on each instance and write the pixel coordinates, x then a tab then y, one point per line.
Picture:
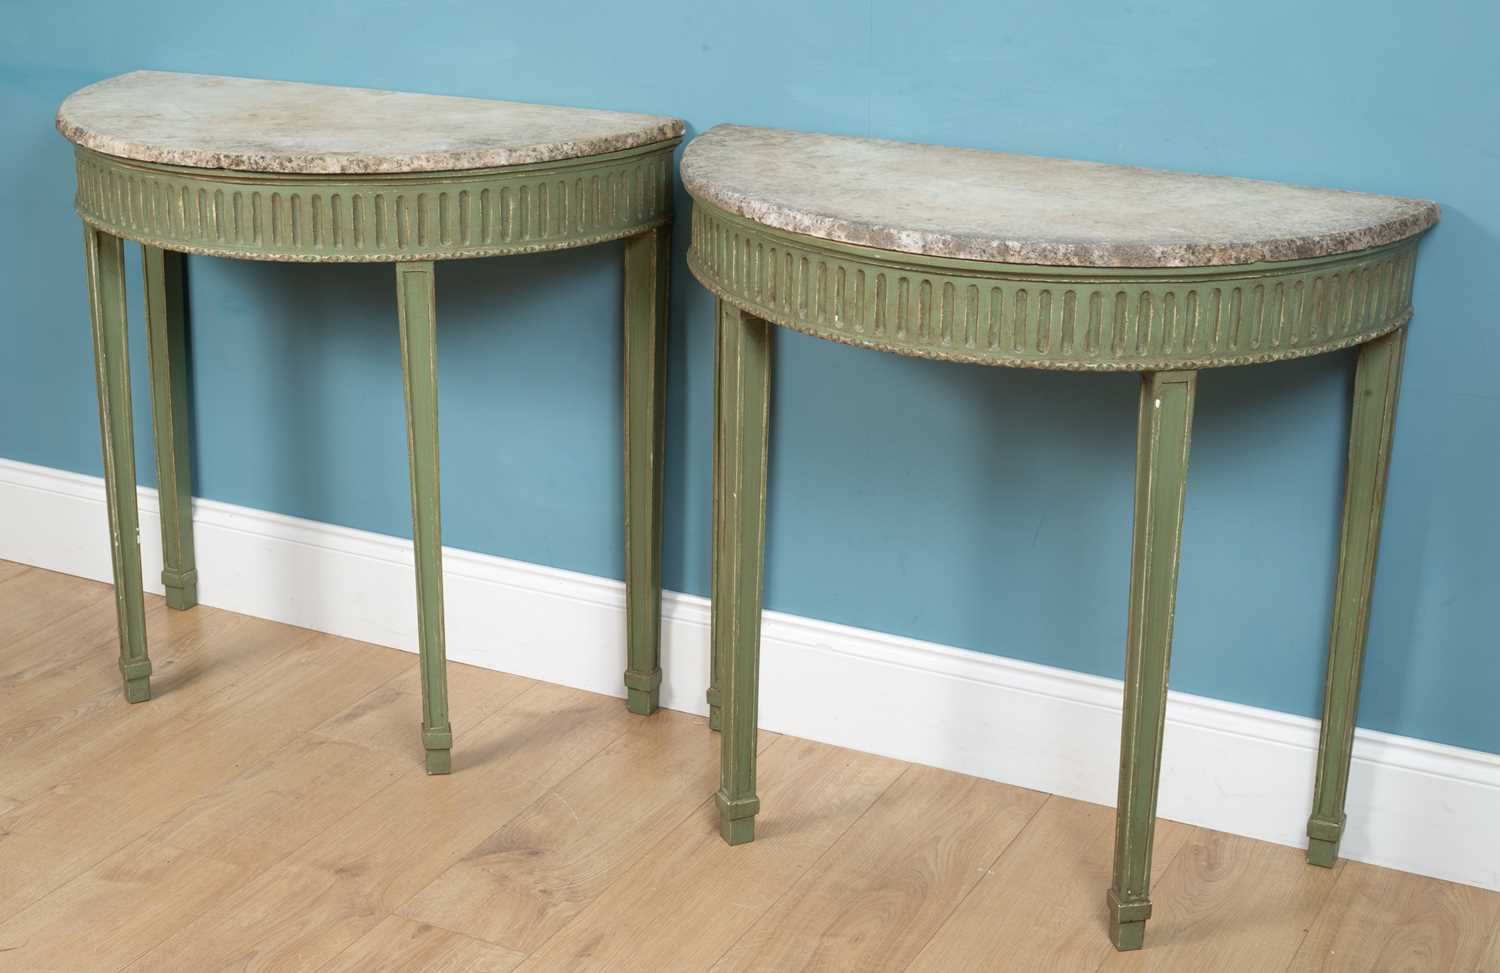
988	508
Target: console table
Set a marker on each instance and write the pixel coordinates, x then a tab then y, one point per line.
269	170
1031	262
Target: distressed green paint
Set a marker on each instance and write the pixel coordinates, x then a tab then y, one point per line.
1165	323
648	261
742	427
104	258
395	217
416	303
1377	380
167	338
410	220
1162	439
714	697
1076	318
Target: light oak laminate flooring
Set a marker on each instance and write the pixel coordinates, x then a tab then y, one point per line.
267	810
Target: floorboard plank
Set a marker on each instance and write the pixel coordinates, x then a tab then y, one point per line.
210	657
528	879
343	881
119	800
691	896
36	600
1041	905
31	867
410	832
280	803
401	945
1377	919
881	892
289	917
1230	903
115	911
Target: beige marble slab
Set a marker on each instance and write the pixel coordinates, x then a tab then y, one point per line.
994	206
213	122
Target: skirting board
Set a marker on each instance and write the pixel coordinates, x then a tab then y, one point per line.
1414	805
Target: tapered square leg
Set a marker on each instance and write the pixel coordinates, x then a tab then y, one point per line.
648	261
715	710
104	259
166	334
1163	436
742	426
1377	380
418	314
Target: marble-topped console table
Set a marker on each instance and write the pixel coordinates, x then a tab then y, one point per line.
269	170
1032	262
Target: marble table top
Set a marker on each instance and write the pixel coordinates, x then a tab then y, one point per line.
998	207
213	122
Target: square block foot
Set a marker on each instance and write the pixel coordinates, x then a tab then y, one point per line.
1322	852
739	831
439	761
1127	935
138	690
716	718
642	702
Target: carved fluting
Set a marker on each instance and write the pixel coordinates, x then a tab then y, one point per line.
1053	317
419	217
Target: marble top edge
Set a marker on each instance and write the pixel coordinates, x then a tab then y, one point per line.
975	204
252	125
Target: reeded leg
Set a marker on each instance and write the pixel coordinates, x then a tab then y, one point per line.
167	337
1164	432
715	710
648	260
415	300
741	422
1377	379
105	259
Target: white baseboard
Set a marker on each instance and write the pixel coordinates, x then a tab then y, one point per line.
1414	805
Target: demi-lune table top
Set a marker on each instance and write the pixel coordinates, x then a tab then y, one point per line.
278	170
214	122
995	206
1017	260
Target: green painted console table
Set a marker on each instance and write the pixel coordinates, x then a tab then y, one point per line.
267	170
1030	262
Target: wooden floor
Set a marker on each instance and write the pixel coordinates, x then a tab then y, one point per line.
267	810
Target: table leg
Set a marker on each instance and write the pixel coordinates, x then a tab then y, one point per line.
742	424
104	257
418	315
648	261
715	698
1377	379
1163	436
166	335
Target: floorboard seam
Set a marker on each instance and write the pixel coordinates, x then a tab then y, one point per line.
953	910
814	863
694	809
397	910
1324	906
